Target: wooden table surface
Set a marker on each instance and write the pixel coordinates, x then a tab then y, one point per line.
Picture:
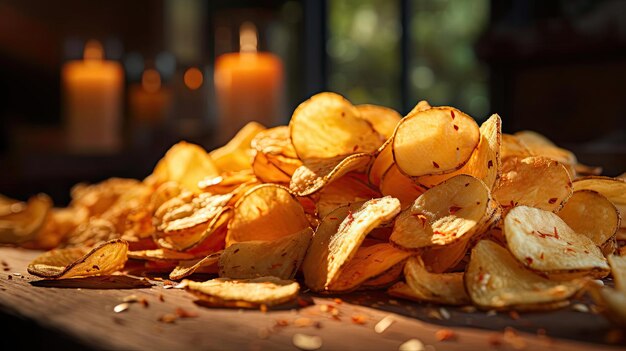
78	314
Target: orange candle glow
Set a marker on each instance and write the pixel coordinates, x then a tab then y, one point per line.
149	101
248	85
93	90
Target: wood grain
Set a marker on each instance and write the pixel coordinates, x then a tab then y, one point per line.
83	311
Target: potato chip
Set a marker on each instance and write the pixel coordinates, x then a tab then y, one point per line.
543	242
244	293
583	170
423	105
444	214
495	279
403	188
439	259
539	145
345	190
618	271
59	223
382	162
237	154
207	264
591	214
92	232
383	119
23	225
207	237
403	290
278	258
384	279
161	255
368	262
611	302
339	236
613	189
327	125
227	182
484	163
186	164
513	147
434	141
266	212
312	176
268	172
98	198
274	141
75	262
534	181
443	288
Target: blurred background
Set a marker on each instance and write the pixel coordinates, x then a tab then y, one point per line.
94	89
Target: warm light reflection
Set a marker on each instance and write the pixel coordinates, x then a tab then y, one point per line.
193	78
248	37
93	50
151	80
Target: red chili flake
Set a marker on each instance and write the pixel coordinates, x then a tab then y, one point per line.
490	164
541	256
452	113
556	233
529	260
359	319
334	218
466	185
350	218
182	313
569	249
356	147
455	127
445	334
552	200
435	164
338	301
514	315
454	209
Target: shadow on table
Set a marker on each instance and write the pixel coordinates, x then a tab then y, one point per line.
100	282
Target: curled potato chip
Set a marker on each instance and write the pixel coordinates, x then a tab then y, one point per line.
434	141
484	163
278	258
267	171
613	189
21	222
186	164
403	188
266	212
244	293
534	181
206	264
384	279
495	279
513	147
539	145
314	175
423	105
444	288
591	214
75	262
368	262
439	259
618	271
382	162
237	154
345	190
444	214
327	125
543	242
274	141
383	119
339	236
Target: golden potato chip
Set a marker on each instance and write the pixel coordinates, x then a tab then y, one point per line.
237	154
403	291
403	188
513	147
339	236
484	163
345	190
423	105
434	141
186	164
539	145
59	223
534	181
161	255
266	212
24	224
312	176
611	302
439	259
613	189
278	258
382	162
227	181
209	236
494	279
164	193
583	170
274	141
591	214
327	125
618	271
444	214
543	242
92	232
98	198
244	293
75	262
443	288
207	264
383	119
385	278
368	262
268	172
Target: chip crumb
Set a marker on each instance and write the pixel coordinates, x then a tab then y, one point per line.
144	302
121	307
161	298
303	322
359	319
183	313
445	335
306	342
434	314
579	307
168	318
383	324
338	301
514	315
130	298
412	345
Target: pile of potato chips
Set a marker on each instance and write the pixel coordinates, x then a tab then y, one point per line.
432	207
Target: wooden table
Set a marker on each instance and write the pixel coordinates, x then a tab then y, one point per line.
78	314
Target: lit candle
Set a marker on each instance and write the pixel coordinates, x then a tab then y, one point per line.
248	85
149	101
93	90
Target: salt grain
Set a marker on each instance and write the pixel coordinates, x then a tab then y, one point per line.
307	342
412	345
383	324
121	307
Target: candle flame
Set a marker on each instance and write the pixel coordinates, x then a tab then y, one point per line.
151	80
248	37
93	50
193	78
